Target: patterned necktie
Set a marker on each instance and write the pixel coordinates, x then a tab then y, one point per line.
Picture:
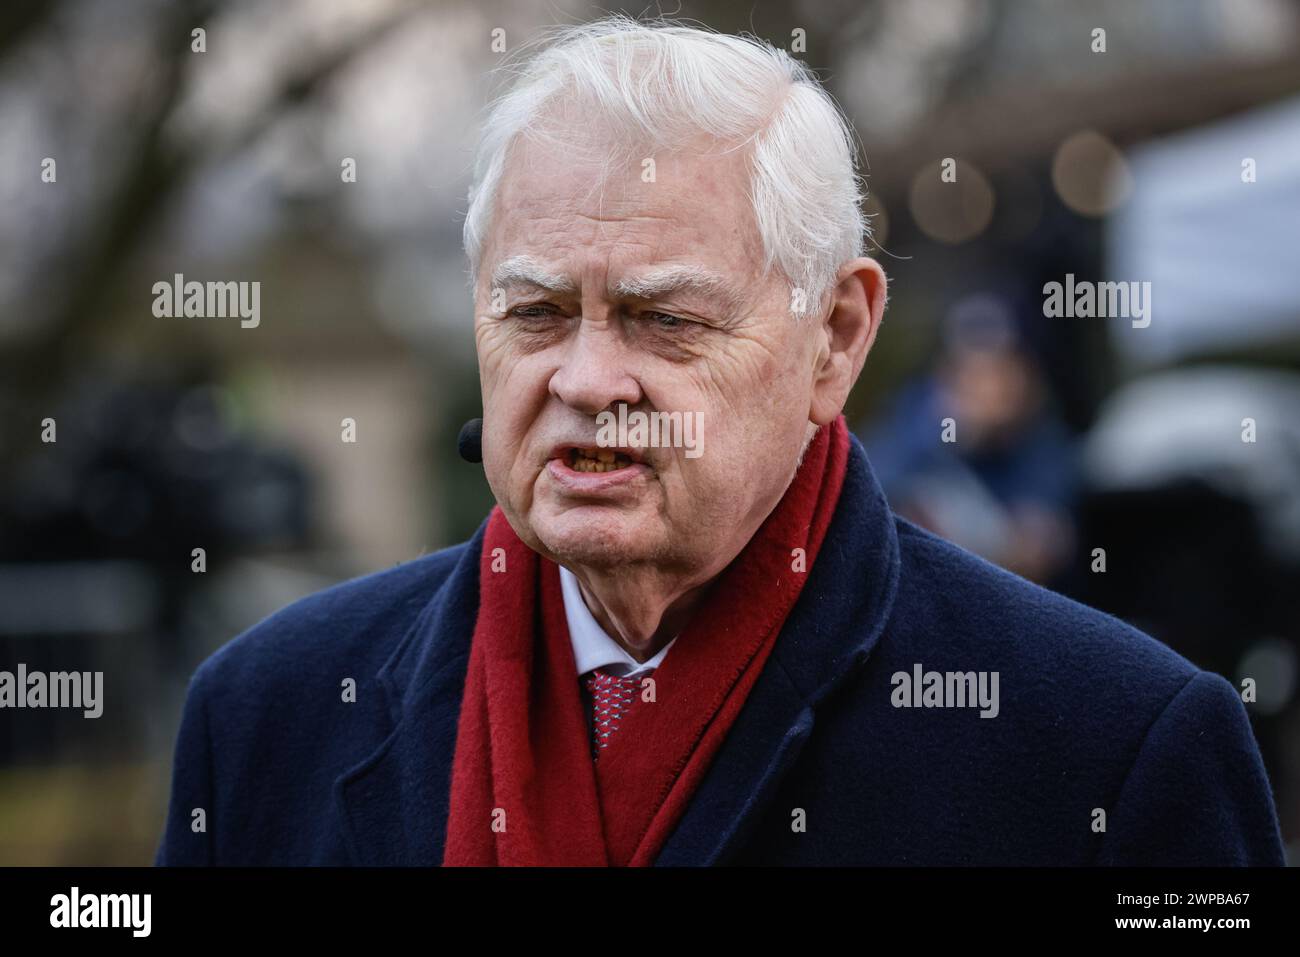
612	697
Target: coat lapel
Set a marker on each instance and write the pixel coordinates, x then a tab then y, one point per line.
830	632
393	805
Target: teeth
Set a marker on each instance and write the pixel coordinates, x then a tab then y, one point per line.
599	460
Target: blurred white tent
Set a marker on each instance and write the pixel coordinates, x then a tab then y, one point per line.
1220	253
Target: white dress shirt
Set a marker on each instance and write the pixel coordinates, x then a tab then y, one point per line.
592	647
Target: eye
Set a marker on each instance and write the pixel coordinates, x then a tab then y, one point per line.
540	310
665	321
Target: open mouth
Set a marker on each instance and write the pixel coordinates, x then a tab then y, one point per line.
596	460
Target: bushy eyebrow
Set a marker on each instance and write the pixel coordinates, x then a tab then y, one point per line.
654	284
527	271
668	280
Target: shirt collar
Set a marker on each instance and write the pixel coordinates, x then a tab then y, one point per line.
592	647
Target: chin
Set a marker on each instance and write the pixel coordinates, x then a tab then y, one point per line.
600	542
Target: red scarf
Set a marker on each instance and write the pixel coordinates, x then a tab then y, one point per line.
524	788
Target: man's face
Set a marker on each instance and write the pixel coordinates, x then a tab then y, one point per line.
614	323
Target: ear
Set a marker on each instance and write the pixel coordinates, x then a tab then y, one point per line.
852	319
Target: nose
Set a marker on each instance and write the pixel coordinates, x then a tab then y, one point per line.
594	373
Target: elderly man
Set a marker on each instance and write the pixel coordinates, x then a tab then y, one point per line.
693	632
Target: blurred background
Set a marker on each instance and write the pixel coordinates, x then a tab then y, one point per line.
1166	150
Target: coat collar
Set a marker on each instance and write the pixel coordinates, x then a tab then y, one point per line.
393	805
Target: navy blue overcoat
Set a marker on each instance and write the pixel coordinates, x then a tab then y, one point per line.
1106	747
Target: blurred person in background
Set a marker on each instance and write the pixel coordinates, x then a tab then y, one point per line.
1000	478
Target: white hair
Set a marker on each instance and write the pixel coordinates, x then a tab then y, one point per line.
662	85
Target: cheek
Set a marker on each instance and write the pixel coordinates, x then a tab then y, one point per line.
755	412
493	351
707	493
514	394
743	389
514	384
